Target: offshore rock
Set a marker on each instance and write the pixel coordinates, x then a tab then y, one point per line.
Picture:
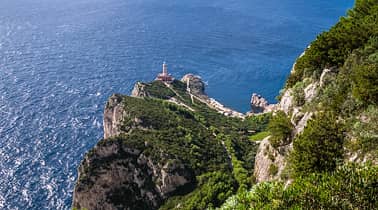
261	105
258	103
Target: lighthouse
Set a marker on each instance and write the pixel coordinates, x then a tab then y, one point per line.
165	68
164	76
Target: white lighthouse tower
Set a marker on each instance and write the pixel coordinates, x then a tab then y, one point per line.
165	68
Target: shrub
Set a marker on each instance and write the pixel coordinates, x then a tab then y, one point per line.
280	128
366	131
349	187
332	48
365	83
298	94
273	169
319	147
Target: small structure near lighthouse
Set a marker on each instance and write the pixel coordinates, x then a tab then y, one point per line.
164	76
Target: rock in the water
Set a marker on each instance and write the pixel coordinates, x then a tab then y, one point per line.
258	103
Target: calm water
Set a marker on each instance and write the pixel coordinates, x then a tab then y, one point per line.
61	59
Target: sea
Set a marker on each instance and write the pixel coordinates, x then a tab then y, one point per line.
61	59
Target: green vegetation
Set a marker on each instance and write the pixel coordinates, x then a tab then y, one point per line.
273	169
333	47
214	188
239	171
349	187
212	147
345	126
299	94
257	123
280	128
365	132
259	136
157	89
319	147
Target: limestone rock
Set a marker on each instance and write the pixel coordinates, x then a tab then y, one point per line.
114	176
113	115
267	158
196	85
326	75
258	103
299	127
286	101
311	91
138	90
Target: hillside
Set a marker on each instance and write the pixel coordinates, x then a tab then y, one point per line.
164	148
322	152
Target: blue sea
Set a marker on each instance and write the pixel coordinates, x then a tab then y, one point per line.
61	59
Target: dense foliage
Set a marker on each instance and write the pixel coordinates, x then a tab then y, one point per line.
349	187
333	47
345	126
280	129
319	147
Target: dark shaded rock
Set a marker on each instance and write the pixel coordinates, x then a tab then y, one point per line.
258	103
196	85
116	176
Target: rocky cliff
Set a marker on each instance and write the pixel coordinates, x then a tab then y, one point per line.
117	176
157	144
260	104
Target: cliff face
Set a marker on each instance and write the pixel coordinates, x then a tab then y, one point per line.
113	115
116	176
270	162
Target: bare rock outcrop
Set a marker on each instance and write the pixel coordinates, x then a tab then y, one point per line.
311	91
115	176
139	90
270	162
286	102
326	76
196	85
113	115
258	103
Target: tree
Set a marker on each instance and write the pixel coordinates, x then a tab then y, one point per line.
319	147
365	83
280	128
